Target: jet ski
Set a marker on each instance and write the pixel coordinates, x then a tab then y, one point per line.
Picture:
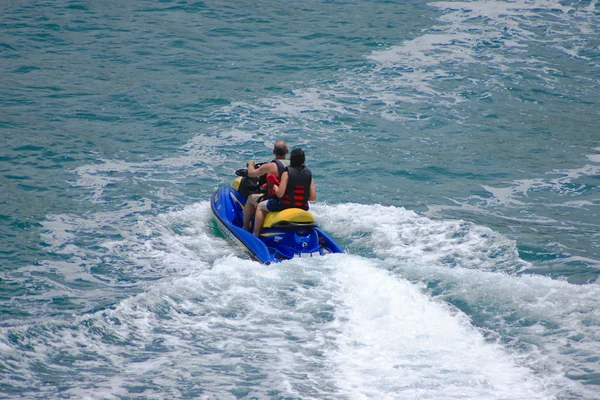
286	234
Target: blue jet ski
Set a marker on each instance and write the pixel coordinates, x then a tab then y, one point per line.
286	234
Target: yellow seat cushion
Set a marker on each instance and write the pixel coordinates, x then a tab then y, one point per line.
294	215
235	184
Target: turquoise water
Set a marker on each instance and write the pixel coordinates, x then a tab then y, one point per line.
456	154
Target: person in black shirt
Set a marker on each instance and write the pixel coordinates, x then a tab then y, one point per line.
296	189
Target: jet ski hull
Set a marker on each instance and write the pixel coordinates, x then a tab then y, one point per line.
281	241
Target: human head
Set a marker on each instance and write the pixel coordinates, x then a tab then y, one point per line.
297	158
280	149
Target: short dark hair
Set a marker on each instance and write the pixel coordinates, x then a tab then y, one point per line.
297	158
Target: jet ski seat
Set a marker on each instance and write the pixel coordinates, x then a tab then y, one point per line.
290	217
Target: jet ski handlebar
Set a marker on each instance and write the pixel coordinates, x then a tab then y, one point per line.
244	171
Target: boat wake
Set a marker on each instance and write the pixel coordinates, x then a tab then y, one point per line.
418	308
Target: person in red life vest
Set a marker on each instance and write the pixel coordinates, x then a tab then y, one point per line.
297	188
275	167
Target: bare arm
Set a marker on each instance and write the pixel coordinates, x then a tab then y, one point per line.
260	171
312	194
281	188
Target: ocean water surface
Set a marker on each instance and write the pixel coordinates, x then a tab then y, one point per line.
455	147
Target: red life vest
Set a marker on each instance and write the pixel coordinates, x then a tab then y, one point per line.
265	184
298	188
272	179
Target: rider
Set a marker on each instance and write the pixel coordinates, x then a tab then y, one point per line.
275	167
297	188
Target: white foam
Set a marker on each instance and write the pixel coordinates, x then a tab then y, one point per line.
333	327
552	322
594	158
458	40
394	342
397	232
386	338
515	194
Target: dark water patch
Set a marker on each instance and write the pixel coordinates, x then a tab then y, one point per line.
63	358
25	224
546	92
28	148
51	27
90	116
17	177
536	254
9	290
145	386
163	123
79	7
240	392
9	251
38	282
16	25
588	379
50	167
62	159
591	52
175	44
316	36
157	345
64	303
190	7
25	69
102	333
67	95
103	305
145	53
21	339
58	378
45	88
197	5
591	321
83	26
6	124
33	188
163	310
324	316
6	46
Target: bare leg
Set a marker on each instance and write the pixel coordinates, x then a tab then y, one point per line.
249	210
259	218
